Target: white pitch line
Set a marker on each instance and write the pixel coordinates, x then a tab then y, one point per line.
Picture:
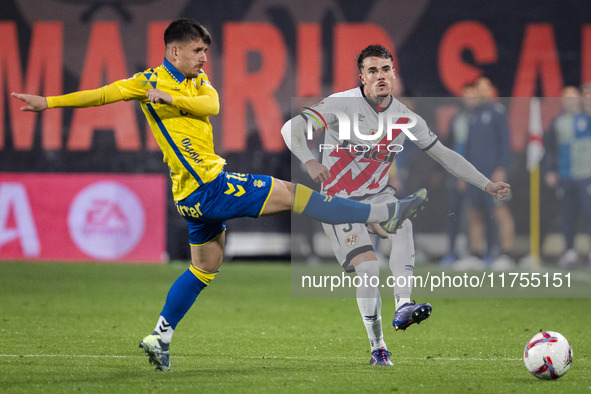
474	359
75	355
316	358
425	358
256	357
67	355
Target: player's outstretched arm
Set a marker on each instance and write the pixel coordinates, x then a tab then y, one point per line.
457	165
34	103
293	132
81	99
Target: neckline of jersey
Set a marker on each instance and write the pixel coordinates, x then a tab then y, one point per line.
173	71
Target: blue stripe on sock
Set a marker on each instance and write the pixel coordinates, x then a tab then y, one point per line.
181	297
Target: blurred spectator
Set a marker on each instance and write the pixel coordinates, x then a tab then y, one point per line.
568	166
456	188
586	91
487	147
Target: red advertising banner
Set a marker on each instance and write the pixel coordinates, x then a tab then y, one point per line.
83	217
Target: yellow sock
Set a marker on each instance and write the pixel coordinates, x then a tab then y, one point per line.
301	197
203	276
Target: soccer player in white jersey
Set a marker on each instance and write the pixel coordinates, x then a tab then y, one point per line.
355	165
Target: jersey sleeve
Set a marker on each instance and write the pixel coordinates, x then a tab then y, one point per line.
202	80
135	88
322	115
207	103
87	98
425	137
457	165
294	135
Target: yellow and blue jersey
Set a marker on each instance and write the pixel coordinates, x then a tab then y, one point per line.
185	138
182	130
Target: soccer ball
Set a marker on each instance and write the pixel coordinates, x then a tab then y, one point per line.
548	355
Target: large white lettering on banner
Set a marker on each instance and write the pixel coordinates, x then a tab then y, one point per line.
14	199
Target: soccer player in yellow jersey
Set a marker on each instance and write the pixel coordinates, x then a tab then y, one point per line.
177	99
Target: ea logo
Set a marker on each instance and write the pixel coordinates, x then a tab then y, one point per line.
106	220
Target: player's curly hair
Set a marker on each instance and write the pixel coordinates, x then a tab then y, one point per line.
183	30
374	50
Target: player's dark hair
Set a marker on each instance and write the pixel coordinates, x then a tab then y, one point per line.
374	50
184	30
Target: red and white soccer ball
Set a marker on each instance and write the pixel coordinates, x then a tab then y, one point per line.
548	355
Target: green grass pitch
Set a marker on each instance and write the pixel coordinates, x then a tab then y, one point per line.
76	328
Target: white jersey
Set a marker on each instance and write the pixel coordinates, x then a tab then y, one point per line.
359	164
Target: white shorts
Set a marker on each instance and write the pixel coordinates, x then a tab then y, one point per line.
352	239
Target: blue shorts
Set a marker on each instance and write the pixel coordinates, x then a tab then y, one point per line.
230	195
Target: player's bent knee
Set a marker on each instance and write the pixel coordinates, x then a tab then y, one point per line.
209	256
363	257
211	264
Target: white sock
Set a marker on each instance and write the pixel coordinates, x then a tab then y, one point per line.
401	301
164	329
402	262
378	213
370	304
